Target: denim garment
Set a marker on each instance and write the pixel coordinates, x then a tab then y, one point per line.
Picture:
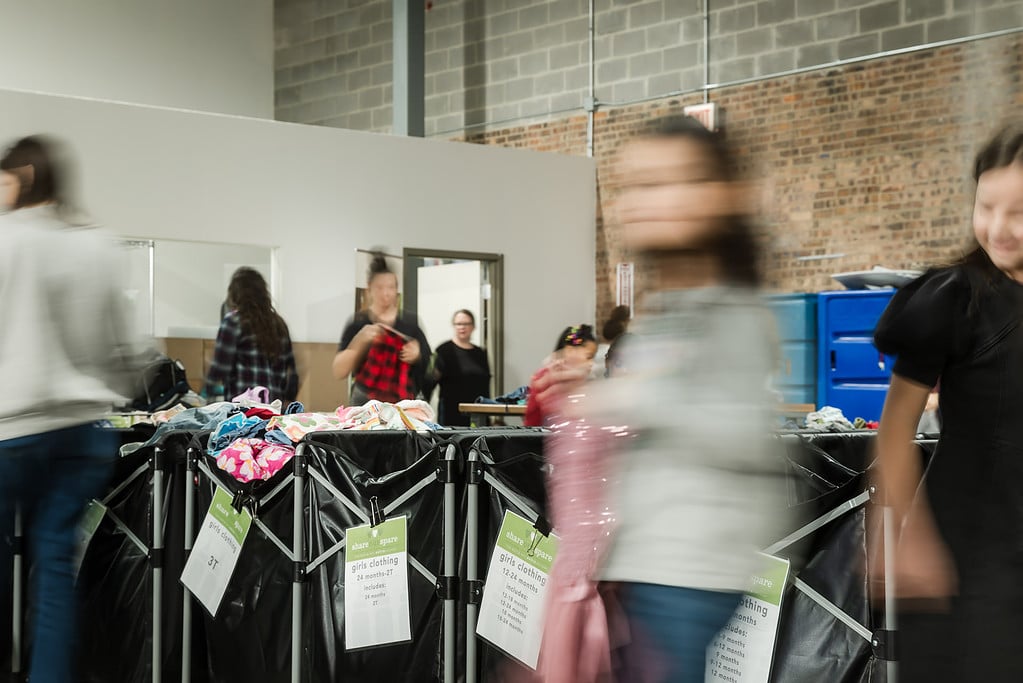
672	628
52	476
235	427
195	419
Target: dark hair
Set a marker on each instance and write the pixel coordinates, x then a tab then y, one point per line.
378	266
575	335
1003	149
613	357
464	311
617	323
735	247
46	181
250	297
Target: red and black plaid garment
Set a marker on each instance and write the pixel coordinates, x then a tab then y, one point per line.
383	374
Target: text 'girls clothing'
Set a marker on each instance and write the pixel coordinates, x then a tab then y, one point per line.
380	375
464	376
238	364
957	324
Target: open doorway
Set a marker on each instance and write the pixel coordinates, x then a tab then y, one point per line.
436	283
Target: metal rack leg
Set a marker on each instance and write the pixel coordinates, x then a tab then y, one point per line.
890	618
186	604
472	568
298	543
450	569
17	598
156	561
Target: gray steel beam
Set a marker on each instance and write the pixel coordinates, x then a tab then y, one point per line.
409	72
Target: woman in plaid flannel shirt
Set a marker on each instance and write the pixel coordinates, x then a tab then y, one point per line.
253	344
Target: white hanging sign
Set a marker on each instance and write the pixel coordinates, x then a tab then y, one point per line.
215	553
744	649
376	585
515	595
89	523
625	273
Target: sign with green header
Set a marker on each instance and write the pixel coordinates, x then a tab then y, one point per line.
376	585
744	649
514	598
215	553
89	523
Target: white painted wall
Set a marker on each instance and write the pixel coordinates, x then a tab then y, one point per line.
440	291
317	193
207	55
190	282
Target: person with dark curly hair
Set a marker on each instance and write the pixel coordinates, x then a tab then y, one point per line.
253	343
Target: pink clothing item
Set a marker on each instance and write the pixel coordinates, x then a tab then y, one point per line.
577	638
253	459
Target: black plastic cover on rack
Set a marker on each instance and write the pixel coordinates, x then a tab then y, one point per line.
251	637
830	469
361	465
115	579
513	457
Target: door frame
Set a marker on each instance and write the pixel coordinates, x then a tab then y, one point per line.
496	263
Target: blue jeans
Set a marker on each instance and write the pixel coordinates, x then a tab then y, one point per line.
671	629
52	476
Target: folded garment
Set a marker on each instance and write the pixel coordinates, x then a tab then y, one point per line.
514	397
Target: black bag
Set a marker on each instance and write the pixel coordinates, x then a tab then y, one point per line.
160	384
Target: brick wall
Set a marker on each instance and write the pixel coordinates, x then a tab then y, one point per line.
868	161
495	61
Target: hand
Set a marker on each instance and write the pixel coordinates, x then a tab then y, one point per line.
925	572
409	352
368	334
924	568
561	380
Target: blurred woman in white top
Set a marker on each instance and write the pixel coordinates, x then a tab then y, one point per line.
63	350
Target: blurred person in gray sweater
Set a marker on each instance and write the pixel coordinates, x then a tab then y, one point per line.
64	347
701	485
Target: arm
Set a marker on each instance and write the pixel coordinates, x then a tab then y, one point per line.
223	358
899	467
351	354
439	364
923	565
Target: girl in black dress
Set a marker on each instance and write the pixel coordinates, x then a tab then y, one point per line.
959	558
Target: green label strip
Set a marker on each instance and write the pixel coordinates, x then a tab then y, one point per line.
386	538
521	539
236	523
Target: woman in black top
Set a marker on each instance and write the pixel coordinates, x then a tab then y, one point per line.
959	556
462	370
